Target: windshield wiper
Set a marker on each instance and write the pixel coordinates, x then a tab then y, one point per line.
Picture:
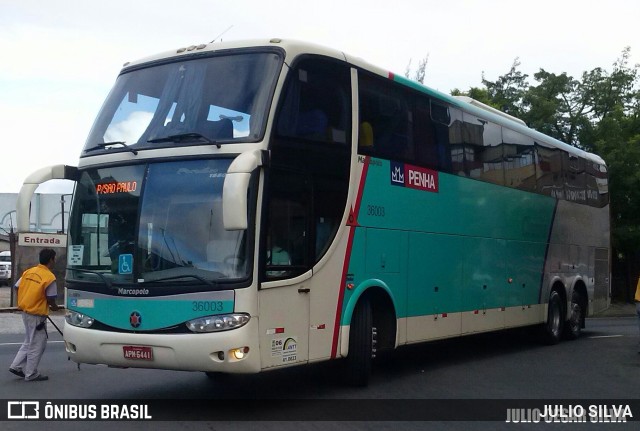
104	279
103	145
185	137
175	277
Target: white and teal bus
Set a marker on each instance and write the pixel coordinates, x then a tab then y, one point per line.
241	207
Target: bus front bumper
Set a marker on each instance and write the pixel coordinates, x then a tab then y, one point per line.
232	351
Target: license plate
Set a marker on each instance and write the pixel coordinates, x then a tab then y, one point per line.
139	353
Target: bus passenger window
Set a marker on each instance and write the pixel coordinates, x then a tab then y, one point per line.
548	167
385	120
519	160
316	103
446	120
425	135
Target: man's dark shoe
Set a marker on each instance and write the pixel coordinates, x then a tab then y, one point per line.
16	372
39	378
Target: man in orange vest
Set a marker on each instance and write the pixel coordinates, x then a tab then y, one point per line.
37	291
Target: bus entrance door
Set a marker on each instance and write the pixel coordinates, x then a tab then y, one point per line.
284	329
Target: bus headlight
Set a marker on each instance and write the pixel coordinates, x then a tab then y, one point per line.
78	319
222	322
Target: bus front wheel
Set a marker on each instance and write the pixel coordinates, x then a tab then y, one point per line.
362	341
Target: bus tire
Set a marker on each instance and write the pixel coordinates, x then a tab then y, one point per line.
573	327
553	328
361	345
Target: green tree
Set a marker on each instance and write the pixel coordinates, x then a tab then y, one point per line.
556	106
508	91
615	133
477	93
420	72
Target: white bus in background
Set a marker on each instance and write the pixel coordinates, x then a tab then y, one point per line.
5	267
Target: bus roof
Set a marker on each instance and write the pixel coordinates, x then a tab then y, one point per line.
293	48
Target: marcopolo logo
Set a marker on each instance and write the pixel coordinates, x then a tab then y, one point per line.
414	177
133	292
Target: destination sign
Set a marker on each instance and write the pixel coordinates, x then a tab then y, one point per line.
116	187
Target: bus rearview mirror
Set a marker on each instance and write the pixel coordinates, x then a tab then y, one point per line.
236	187
234	201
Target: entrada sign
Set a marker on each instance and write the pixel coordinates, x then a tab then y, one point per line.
31	239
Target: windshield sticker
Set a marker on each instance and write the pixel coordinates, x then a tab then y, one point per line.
75	254
285	348
125	264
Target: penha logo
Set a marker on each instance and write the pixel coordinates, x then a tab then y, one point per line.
397	173
414	177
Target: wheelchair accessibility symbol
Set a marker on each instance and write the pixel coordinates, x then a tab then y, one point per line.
125	264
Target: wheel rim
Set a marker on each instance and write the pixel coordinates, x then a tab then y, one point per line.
554	318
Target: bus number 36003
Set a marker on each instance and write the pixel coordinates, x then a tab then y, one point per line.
207	306
375	210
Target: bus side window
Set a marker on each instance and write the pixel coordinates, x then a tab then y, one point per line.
425	135
287	233
596	184
444	121
316	106
519	160
549	179
385	120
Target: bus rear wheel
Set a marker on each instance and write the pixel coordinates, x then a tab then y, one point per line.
362	345
552	329
573	328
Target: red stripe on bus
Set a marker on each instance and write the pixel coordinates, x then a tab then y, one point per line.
347	258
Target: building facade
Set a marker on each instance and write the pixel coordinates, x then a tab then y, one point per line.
49	215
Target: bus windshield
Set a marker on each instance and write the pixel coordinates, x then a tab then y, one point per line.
154	222
204	100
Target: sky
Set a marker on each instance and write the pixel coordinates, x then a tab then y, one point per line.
59	58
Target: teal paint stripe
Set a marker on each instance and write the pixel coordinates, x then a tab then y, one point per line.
155	315
471	245
461	206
